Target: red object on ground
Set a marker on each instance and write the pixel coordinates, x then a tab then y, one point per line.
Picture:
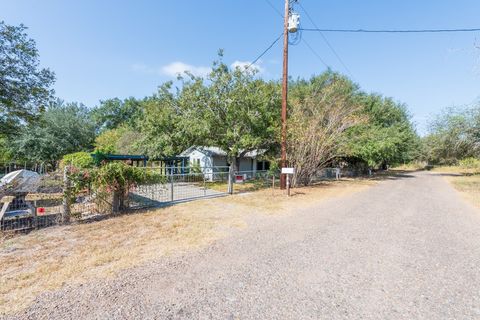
238	178
40	211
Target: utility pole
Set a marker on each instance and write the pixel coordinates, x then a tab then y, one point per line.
283	178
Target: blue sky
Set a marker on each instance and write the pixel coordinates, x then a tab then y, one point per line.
105	49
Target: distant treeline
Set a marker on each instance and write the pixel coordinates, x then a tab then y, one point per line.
453	135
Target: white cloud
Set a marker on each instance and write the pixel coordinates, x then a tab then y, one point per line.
172	70
178	68
243	65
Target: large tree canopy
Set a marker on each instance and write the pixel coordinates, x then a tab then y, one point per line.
121	140
24	86
321	111
230	109
61	129
112	113
453	135
388	137
163	125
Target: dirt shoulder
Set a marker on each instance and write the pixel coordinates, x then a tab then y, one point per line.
51	258
468	186
464	180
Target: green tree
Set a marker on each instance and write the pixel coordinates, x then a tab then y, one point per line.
80	160
113	113
162	125
321	111
453	135
5	151
62	129
121	140
386	138
230	109
24	87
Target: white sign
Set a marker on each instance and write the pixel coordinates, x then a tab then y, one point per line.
288	170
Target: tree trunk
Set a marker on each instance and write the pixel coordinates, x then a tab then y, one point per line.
237	164
231	174
116	202
119	201
233	168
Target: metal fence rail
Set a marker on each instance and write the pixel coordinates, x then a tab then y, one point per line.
30	211
180	187
28	223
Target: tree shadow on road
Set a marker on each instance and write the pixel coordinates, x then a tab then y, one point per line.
391	175
446	174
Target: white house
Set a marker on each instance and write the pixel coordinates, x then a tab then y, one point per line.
214	159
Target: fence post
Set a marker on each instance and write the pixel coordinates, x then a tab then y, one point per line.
67	189
204	186
35	216
230	179
171	185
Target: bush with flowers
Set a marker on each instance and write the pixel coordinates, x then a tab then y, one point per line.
114	181
110	183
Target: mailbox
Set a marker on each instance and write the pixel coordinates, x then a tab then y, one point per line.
288	170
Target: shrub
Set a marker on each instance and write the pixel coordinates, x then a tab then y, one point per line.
99	158
117	176
114	181
80	160
470	163
195	168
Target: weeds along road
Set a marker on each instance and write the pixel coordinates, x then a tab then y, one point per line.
407	248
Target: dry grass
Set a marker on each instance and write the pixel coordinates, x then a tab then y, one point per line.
48	259
456	170
247	186
469	186
465	180
414	166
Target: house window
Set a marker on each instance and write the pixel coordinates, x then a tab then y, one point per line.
263	165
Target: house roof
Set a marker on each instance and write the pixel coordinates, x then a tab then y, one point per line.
218	152
208	151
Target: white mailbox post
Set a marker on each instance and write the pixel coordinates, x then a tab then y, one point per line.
288	172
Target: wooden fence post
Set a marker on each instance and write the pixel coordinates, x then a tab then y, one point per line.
67	196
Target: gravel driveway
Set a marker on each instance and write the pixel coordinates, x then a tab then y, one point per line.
407	248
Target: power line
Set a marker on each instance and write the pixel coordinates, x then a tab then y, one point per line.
315	53
390	31
264	52
326	41
274	8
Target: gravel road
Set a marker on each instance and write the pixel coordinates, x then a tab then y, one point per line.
407	248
